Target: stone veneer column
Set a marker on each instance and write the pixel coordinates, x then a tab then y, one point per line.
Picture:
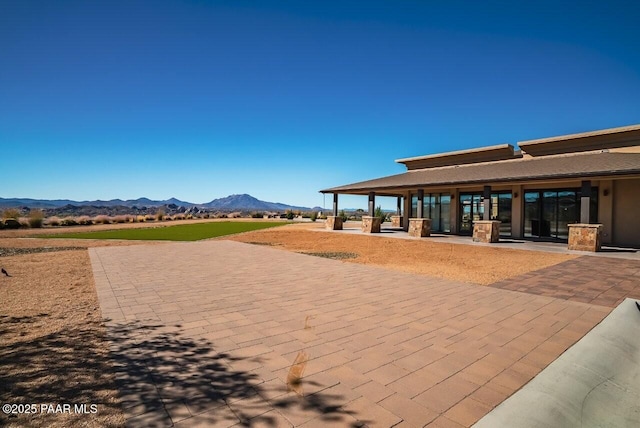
396	221
371	224
333	222
419	227
486	231
585	237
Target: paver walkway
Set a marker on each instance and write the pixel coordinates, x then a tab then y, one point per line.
205	334
597	280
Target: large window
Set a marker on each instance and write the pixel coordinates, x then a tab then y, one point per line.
548	213
437	207
472	209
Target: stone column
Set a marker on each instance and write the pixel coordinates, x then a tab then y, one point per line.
585	237
371	224
396	220
419	227
333	222
486	231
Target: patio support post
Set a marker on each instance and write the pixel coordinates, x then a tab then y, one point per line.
372	203
487	203
585	202
420	202
335	204
399	206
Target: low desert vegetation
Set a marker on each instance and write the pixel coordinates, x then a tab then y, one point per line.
36	219
11	213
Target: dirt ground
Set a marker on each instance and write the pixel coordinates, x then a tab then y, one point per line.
53	340
475	264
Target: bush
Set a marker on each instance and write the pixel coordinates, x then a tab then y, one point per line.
343	216
257	214
11	213
149	217
290	215
102	219
189	217
120	219
178	217
160	214
379	213
140	219
53	221
313	216
36	219
11	223
68	221
85	220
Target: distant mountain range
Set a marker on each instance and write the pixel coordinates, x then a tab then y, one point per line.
229	203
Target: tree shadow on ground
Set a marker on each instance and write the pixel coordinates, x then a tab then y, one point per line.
167	378
62	366
163	378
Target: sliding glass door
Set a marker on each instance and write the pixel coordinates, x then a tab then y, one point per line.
548	213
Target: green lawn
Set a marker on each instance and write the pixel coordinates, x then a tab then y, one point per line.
183	232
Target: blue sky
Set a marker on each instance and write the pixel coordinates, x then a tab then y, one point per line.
201	99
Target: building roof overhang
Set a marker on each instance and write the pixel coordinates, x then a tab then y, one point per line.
559	167
461	157
625	136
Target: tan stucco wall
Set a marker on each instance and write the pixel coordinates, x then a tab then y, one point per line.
605	209
626	207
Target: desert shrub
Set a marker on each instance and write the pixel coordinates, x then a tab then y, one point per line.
381	214
257	214
149	217
11	213
313	216
189	217
140	219
120	219
290	215
24	222
11	223
102	219
53	221
178	217
205	215
343	216
84	220
36	219
160	214
68	221
129	218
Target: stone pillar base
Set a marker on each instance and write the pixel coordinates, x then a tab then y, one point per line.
333	223
396	221
486	231
419	227
371	224
585	237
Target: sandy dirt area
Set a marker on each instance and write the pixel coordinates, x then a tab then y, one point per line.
53	340
475	264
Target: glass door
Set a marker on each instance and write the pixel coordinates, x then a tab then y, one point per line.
466	215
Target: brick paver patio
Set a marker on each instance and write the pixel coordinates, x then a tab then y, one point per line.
597	280
205	334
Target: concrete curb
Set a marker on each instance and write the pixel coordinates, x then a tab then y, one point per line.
596	383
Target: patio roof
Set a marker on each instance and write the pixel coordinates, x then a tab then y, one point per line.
574	166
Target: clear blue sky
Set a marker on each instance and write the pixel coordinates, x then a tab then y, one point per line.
202	99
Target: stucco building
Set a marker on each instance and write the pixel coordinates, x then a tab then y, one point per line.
536	190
